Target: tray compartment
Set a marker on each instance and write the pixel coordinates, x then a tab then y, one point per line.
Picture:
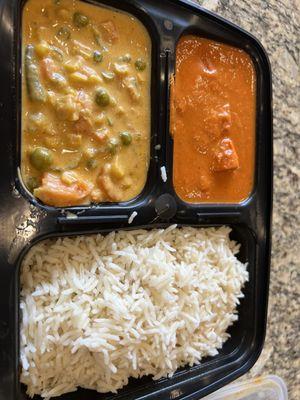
157	70
234	353
207	28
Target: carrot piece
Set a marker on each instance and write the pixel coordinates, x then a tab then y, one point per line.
48	68
56	193
109	31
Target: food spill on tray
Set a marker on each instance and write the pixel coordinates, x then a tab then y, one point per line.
85	104
97	310
213	121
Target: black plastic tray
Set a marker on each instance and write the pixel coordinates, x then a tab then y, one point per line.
24	221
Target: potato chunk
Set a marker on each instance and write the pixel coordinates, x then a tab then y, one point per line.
66	107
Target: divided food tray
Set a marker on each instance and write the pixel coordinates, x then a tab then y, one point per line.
25	221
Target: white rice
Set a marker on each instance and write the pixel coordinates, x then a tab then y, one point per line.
97	310
131	217
71	215
163	173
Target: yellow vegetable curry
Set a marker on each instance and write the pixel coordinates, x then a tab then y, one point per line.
85	103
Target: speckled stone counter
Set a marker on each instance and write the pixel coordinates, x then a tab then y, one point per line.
276	23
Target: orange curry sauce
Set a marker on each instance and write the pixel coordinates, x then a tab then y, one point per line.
213	122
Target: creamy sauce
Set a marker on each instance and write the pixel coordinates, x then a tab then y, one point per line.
85	103
213	122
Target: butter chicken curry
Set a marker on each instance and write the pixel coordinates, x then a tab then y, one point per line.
213	122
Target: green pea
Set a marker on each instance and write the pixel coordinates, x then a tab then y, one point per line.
126	58
112	146
32	183
80	20
97	56
126	138
41	158
64	33
102	98
140	64
92	163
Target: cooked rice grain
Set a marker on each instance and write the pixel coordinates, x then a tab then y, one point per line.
97	310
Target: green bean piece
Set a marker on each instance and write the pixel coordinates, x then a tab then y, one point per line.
92	163
140	64
35	89
64	33
97	56
80	20
32	183
109	121
112	146
108	76
97	39
97	36
126	138
102	98
41	158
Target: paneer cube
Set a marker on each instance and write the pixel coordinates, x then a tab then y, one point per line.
226	157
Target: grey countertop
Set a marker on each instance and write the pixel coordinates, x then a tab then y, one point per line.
275	24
